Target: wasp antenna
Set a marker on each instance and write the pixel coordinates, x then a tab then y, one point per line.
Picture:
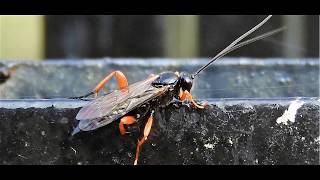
249	41
231	46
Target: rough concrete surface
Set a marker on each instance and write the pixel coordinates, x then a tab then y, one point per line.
234	131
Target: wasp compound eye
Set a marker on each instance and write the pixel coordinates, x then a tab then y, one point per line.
186	81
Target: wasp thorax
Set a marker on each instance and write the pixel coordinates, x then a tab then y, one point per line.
185	81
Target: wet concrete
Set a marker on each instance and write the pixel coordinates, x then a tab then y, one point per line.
226	78
230	131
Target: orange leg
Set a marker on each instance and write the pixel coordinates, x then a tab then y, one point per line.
120	77
126	120
146	132
185	95
121	80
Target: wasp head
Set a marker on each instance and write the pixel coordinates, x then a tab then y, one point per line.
185	81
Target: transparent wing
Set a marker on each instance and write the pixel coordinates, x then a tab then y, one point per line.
110	107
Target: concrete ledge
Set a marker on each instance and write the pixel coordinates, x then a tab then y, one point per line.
230	131
227	78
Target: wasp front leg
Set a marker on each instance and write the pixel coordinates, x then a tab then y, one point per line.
121	81
186	96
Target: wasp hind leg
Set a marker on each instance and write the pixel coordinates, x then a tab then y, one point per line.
121	81
146	132
186	96
120	77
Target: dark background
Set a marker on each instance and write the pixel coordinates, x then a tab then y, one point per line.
96	36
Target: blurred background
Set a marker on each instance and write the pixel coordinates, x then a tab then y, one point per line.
283	65
96	36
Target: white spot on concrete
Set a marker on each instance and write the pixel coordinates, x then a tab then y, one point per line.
230	141
64	120
43	133
75	152
303	138
209	146
290	113
22	156
129	154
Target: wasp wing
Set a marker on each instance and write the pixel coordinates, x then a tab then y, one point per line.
110	107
